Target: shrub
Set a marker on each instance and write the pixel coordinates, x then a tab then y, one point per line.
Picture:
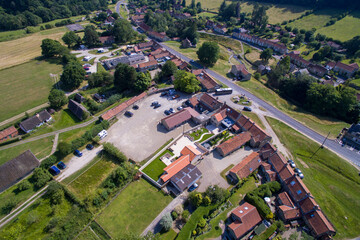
24	185
113	152
179	209
166	222
41	177
257	76
202	223
55	192
8	206
48	162
174	215
185	215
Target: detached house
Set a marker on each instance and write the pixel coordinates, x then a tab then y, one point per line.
220	28
35	121
8	133
241	72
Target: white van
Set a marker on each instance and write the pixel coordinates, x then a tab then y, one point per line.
102	134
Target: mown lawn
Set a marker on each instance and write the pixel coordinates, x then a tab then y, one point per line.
133	210
156	167
25	86
87	183
334	183
40	148
317	20
170	235
197	134
322	125
212	5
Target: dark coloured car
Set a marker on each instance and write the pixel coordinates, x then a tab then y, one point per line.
135	107
153	104
89	147
193	187
247	109
128	114
54	170
167	112
61	165
157	106
77	153
171	110
163	94
180	108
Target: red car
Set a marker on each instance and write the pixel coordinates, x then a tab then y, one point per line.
175	96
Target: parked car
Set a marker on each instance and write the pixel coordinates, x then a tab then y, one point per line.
153	104
78	153
247	109
176	96
163	94
292	164
135	107
298	171
157	105
89	147
171	110
193	187
61	165
54	170
167	112
180	108
301	175
128	114
102	134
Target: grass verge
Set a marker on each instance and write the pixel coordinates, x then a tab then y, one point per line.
334	183
255	118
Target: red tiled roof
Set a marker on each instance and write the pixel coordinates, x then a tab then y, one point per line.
191	151
297	188
346	67
220	115
234	143
247	165
197	72
286	172
194	101
267	150
266	166
161	55
106	38
308	204
148	64
175	167
257	133
207	81
230	112
278	161
319	223
180	117
331	64
241	68
285	199
289	212
8	131
209	101
247	218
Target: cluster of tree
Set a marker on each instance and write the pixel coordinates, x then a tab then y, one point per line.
95	107
65	148
167	70
209	53
52	48
126	78
100	79
256	197
57	98
233	10
186	82
339	102
20	14
212	195
347	4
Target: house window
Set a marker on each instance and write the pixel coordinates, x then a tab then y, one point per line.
298	192
292	183
250	169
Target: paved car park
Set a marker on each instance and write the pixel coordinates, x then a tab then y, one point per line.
213	164
142	134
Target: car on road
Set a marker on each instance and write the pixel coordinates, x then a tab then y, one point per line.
78	153
135	107
128	114
180	108
193	187
61	165
292	163
54	170
89	147
167	112
247	109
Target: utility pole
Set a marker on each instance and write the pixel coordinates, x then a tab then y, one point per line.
321	146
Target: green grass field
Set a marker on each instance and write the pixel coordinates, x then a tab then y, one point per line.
87	235
40	148
25	86
87	183
334	183
212	5
323	125
133	210
197	134
156	167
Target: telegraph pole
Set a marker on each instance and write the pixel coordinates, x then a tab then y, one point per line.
321	146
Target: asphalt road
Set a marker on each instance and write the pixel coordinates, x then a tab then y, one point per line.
349	155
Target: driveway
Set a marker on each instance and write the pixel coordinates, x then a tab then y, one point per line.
77	163
142	134
213	164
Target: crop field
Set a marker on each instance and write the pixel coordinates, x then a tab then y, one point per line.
133	210
40	148
25	86
27	48
332	181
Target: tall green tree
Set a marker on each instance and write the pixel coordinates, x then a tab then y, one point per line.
57	98
259	17
186	82
91	37
72	76
266	55
168	69
208	53
124	77
123	31
142	82
71	39
52	48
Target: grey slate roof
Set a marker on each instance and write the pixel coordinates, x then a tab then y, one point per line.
130	60
17	168
186	176
77	109
34	121
75	27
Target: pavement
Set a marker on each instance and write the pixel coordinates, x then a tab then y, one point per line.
77	163
352	156
142	134
154	225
